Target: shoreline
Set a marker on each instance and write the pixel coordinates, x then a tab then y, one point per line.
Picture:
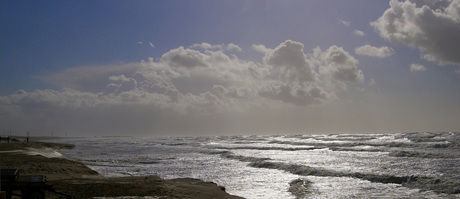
79	181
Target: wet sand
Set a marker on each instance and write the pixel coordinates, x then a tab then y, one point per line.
79	181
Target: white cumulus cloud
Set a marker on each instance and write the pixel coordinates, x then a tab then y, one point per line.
338	66
222	47
184	89
359	33
290	63
417	67
346	23
383	51
430	26
181	57
232	46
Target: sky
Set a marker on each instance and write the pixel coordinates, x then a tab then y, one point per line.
100	68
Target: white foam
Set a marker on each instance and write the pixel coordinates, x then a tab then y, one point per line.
46	152
355	173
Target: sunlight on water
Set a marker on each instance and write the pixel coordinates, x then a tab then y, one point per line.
302	166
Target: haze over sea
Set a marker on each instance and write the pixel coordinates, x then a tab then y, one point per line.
187	68
401	165
147	70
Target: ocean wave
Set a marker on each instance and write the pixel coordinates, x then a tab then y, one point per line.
359	149
336	145
423	154
449	185
435	140
294	168
419	161
149	162
440	185
346	137
300	188
342	144
153	160
174	144
46	152
230	155
426	136
268	148
106	165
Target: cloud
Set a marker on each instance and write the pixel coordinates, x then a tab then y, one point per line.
346	23
206	46
185	89
288	75
289	62
89	78
430	26
181	57
298	93
232	46
151	44
293	78
261	48
121	84
222	47
338	64
417	67
372	82
381	52
359	33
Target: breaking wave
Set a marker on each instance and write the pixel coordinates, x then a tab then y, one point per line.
270	148
46	152
412	140
300	188
440	185
401	165
423	154
230	155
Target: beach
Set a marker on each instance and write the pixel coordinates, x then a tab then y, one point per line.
79	181
399	165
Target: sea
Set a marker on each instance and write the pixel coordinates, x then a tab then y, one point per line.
396	165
